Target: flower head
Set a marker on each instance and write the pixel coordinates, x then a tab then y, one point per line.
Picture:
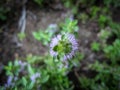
63	46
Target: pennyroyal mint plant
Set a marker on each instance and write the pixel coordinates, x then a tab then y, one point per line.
21	75
63	46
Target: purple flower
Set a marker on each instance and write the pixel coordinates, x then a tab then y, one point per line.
66	44
34	76
9	82
22	65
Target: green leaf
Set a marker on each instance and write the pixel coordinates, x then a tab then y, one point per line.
21	36
24	81
30	70
16	63
31	85
45	79
36	35
95	46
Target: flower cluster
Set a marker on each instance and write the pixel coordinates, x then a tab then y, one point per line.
63	46
12	79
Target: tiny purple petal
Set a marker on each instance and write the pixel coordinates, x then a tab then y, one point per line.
9	81
22	65
34	76
54	42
